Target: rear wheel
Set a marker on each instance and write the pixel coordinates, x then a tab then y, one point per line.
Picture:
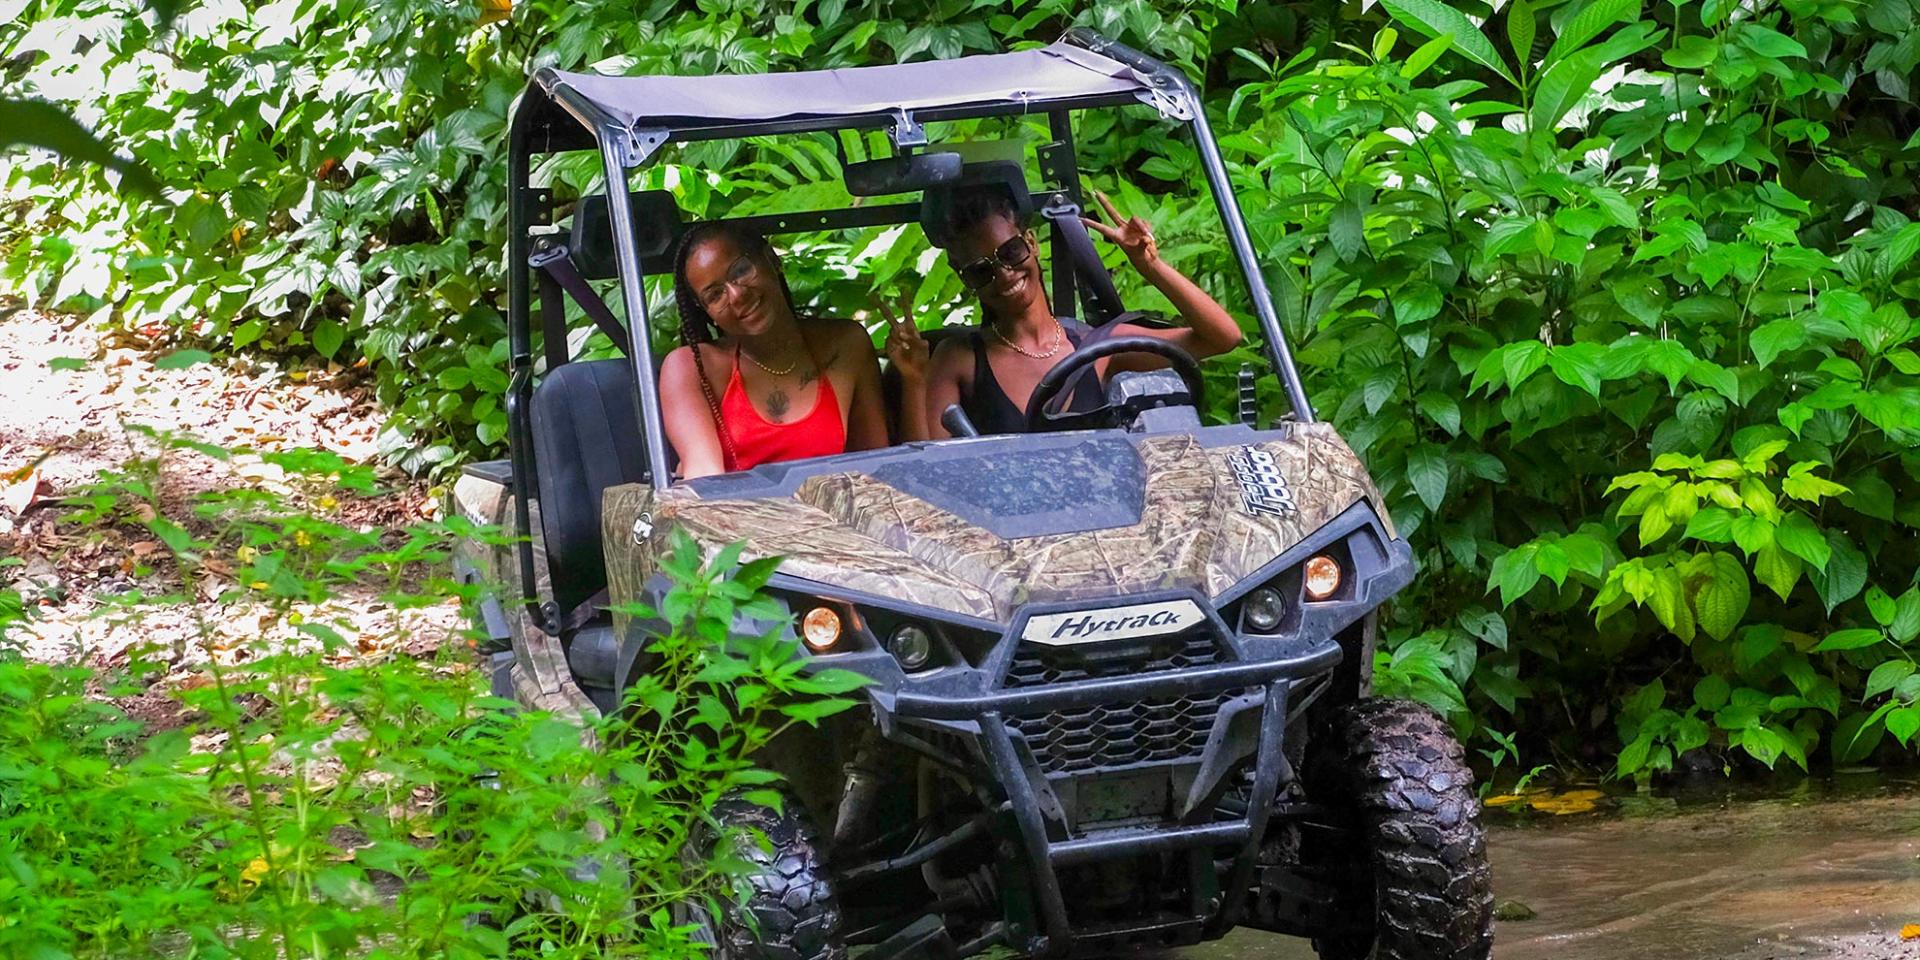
789	911
1418	885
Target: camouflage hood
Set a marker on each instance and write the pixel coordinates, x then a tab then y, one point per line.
976	529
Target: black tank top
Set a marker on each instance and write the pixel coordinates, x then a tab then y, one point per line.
992	411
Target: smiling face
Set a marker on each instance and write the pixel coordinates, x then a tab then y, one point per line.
739	289
1011	289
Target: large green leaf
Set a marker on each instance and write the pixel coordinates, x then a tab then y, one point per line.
1346	229
1845	573
1852	639
1520	31
1593	17
1436	19
1427	471
1722	599
1562	87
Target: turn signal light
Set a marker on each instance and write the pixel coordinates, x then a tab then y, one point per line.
820	628
1323	577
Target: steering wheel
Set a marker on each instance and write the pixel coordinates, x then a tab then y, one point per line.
1053	385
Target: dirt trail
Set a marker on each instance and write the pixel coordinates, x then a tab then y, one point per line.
72	401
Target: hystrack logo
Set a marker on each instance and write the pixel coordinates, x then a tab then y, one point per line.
1263	488
1112	623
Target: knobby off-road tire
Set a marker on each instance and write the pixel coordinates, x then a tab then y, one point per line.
1419	881
791	912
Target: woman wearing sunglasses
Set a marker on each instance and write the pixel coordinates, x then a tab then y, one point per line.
991	372
767	385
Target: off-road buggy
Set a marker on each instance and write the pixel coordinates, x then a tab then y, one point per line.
1120	665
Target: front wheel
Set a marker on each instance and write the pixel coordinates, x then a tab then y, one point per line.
785	908
1417	882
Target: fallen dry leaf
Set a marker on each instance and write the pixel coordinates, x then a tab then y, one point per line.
143	548
1572	801
1910	932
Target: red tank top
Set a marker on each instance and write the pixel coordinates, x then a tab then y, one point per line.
756	440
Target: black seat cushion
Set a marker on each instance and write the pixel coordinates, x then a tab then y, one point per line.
586	438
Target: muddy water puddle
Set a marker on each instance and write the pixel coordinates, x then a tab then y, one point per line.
1826	872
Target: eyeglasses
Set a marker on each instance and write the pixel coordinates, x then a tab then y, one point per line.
1010	256
743	272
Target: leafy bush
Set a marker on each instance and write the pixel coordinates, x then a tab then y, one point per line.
1613	345
1615	298
320	794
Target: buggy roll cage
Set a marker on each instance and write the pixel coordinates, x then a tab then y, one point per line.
628	120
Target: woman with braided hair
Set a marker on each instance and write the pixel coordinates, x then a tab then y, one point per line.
754	383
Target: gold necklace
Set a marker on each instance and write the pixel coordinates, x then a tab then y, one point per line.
777	373
1016	348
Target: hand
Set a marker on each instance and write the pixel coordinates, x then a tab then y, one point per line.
1132	235
906	349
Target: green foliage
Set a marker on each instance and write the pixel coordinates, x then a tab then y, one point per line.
336	172
1616	299
1623	328
321	796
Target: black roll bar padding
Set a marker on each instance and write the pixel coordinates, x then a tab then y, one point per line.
1167	78
656	217
520	362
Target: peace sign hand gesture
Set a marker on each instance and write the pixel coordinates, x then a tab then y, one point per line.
906	349
1132	235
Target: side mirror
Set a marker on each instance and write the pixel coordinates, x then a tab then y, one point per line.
878	178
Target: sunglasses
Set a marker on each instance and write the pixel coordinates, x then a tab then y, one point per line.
1009	256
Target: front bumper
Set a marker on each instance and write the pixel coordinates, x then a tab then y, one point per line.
1196	719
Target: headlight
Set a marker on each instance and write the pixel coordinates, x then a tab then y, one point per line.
912	645
1322	577
820	628
1263	610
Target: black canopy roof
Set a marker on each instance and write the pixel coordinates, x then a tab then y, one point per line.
1057	75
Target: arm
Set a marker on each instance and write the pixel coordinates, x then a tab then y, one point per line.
950	361
1210	329
688	418
866	415
907	351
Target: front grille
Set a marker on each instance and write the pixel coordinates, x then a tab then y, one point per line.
1037	664
1118	735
